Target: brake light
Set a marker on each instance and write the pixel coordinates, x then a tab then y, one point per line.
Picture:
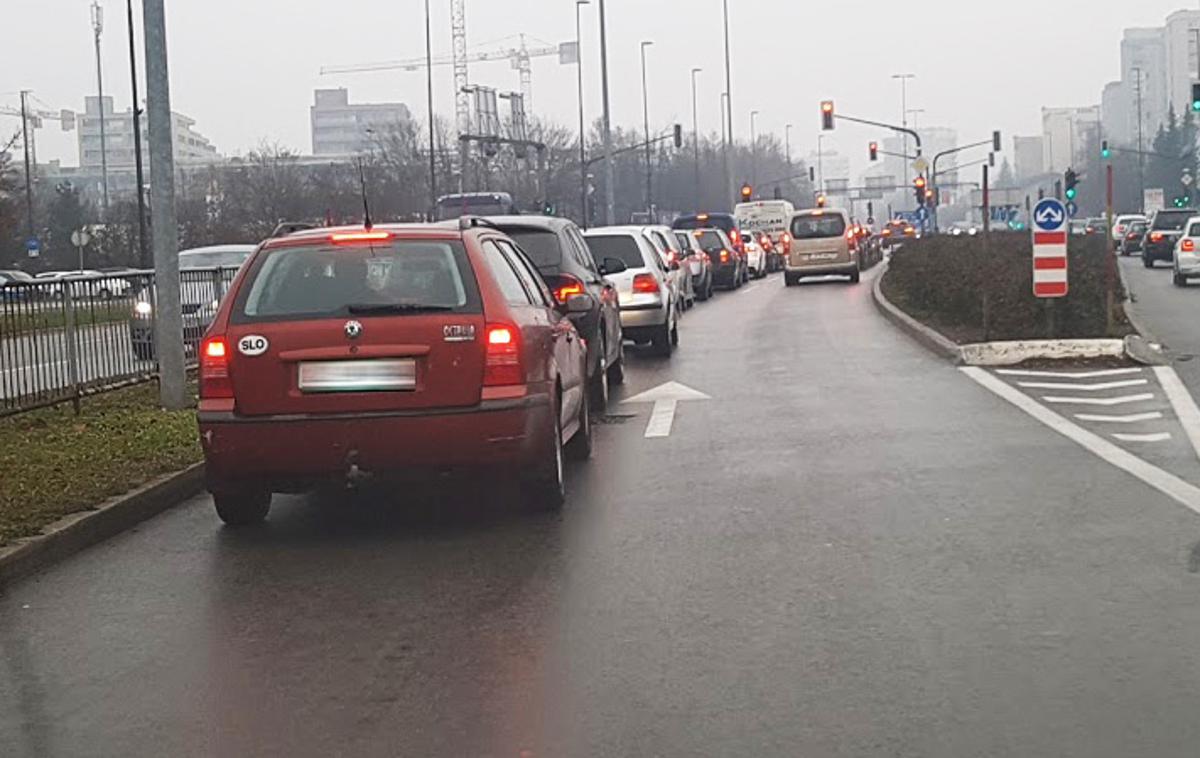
215	383
502	364
1156	236
1188	246
671	257
645	284
724	256
364	236
568	287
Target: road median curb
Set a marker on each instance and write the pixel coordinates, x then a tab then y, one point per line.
935	341
73	533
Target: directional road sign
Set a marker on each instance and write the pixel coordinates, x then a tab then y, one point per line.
922	214
33	247
1050	249
1072	209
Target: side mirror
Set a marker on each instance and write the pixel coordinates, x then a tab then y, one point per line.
611	266
579	304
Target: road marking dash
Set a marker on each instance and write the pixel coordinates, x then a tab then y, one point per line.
1182	402
1130	419
1070	374
661	419
1159	437
1107	401
1084	387
1183	493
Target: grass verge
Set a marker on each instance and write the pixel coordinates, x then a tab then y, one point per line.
976	291
54	463
17	320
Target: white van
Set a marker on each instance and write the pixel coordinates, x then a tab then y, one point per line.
767	218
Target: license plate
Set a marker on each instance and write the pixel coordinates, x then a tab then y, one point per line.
359	376
823	257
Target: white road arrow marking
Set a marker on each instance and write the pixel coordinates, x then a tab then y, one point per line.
1084	387
666	399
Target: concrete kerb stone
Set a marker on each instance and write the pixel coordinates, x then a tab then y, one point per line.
71	534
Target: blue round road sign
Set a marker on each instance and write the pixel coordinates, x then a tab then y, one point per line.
1072	209
1050	215
922	213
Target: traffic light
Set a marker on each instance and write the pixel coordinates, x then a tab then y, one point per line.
1105	152
678	136
873	149
827	115
996	142
821	200
1196	98
747	193
1070	180
920	186
812	173
548	208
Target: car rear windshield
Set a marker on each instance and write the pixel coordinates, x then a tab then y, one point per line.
399	278
711	241
542	246
623	247
814	227
717	221
213	259
1172	220
684	240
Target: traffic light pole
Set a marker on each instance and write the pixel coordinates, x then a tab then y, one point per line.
1110	266
901	129
631	149
933	177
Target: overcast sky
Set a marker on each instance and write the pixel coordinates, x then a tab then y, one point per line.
245	69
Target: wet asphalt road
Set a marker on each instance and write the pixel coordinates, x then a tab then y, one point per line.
1171	314
851	550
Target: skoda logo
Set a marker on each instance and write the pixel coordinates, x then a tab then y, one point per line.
354	329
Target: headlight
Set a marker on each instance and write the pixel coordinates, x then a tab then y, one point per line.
143	309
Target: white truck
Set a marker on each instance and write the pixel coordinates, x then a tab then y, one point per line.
770	219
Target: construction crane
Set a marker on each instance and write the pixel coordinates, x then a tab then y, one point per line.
65	118
520	58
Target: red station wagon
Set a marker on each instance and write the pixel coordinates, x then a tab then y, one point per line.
349	353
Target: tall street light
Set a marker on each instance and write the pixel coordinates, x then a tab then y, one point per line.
609	174
904	79
725	134
787	145
429	97
583	203
98	29
728	105
143	248
646	117
696	135
754	148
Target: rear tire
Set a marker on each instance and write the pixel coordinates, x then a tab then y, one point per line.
616	370
245	508
544	489
789	280
1179	279
1147	262
662	340
580	446
855	277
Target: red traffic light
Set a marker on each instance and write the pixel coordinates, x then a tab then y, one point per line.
827	115
919	182
873	149
747	192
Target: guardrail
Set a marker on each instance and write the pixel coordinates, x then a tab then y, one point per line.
63	339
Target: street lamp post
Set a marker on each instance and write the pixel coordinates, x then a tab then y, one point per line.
433	192
821	164
646	118
609	174
583	193
728	104
725	135
904	79
98	29
146	261
754	147
696	136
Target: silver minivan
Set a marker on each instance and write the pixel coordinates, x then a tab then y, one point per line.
822	245
645	290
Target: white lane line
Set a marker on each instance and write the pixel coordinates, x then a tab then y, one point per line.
1070	374
1182	402
661	419
1107	401
1160	437
1130	419
1164	482
1085	387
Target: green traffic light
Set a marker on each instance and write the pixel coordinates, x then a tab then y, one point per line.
1196	105
1071	193
1106	154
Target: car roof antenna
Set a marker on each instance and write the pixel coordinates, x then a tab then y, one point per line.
362	181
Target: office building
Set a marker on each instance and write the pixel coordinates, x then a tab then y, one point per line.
340	128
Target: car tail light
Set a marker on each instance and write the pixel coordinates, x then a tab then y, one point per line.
214	369
1131	236
737	240
645	284
1156	236
1188	246
724	256
502	365
568	287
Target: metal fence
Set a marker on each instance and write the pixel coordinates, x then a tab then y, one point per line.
62	339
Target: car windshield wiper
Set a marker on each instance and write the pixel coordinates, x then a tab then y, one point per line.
386	308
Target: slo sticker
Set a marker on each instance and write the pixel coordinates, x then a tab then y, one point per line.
252	345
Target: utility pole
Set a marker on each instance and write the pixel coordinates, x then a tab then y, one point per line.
98	28
904	78
754	148
28	162
609	173
725	139
1137	71
728	106
433	191
583	172
646	119
168	319
144	258
696	136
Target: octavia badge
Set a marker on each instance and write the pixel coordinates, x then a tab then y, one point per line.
354	329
